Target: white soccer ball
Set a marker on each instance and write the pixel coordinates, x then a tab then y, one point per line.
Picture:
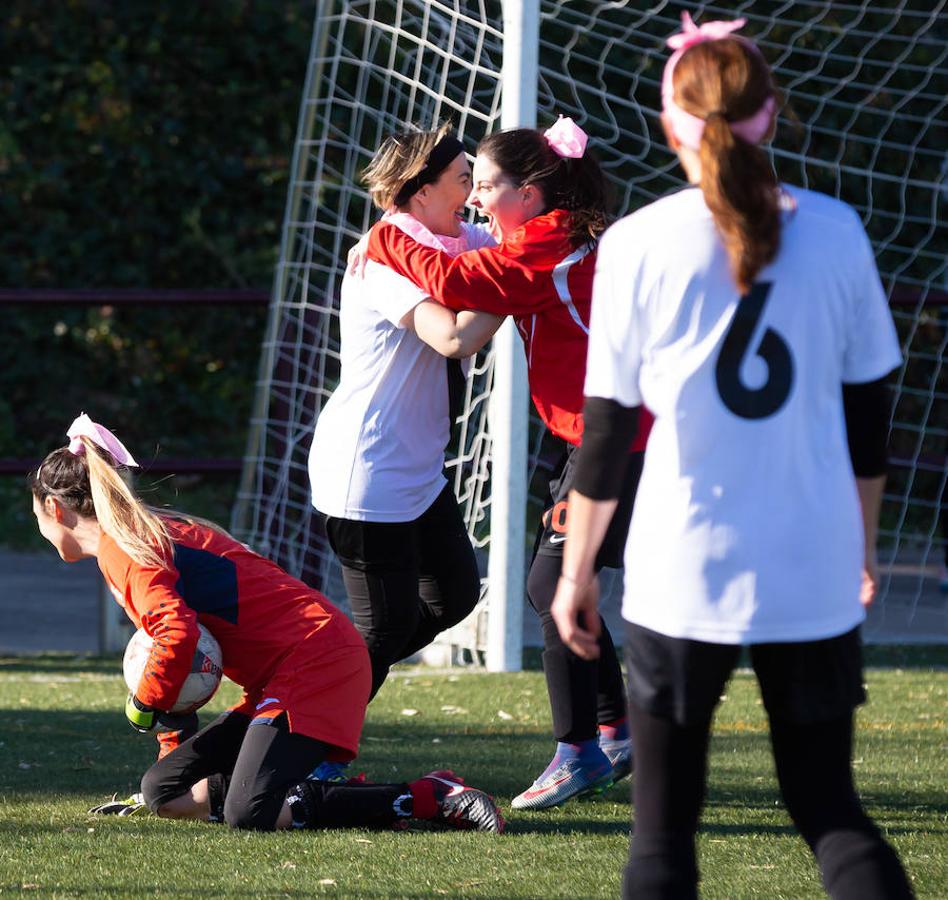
198	687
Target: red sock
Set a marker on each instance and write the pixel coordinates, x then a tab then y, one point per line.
424	805
614	731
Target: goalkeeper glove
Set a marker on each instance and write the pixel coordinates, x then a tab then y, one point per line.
113	807
143	717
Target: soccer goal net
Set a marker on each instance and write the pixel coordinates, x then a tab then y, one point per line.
866	86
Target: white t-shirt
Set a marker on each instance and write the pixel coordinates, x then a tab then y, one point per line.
378	450
747	525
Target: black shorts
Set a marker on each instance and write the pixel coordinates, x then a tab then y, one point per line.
553	525
803	683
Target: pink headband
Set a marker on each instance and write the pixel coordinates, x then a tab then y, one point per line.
566	138
686	127
83	426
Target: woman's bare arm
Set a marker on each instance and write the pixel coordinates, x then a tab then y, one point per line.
455	335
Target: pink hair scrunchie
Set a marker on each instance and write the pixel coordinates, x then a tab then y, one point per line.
83	426
687	127
566	138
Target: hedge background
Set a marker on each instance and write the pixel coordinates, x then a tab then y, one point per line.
142	145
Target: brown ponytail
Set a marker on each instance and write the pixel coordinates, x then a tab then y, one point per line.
91	486
727	81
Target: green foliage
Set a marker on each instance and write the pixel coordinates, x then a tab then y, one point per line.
142	145
147	144
66	747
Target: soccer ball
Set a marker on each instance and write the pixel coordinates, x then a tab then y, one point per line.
198	687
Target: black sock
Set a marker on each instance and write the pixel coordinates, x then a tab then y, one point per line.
321	804
216	794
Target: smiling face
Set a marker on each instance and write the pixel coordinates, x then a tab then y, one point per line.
439	206
495	195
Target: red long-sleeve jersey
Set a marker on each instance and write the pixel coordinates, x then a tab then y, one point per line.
256	611
539	277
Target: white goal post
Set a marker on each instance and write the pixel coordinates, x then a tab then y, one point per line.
867	84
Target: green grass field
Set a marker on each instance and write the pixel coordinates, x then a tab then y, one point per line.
64	746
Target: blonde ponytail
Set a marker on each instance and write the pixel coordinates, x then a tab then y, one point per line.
91	486
122	516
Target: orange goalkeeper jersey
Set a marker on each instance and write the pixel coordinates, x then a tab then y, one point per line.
256	611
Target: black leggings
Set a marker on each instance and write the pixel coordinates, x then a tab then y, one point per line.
250	769
582	692
406	581
809	689
813	769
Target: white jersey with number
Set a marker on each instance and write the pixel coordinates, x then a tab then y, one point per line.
747	526
378	449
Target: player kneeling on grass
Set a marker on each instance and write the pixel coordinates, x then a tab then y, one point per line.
303	666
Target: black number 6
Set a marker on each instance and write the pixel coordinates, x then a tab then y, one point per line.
753	403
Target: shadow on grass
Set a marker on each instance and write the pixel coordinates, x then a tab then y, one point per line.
85	753
61	663
168	890
576	825
895	656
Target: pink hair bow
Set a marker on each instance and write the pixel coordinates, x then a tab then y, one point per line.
692	34
686	127
566	138
83	426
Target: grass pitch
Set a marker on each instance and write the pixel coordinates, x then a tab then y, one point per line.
64	746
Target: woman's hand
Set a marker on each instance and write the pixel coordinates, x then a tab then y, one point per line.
358	257
576	613
870	579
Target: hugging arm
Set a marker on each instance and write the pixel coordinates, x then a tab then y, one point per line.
455	335
488	279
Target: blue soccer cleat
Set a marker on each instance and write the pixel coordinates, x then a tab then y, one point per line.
621	757
572	778
333	772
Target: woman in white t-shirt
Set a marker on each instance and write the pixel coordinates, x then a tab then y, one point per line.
377	457
749	318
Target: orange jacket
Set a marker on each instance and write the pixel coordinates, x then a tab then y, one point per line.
255	610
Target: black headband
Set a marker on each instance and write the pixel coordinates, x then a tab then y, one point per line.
439	159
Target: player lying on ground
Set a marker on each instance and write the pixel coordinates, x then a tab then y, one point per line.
749	317
303	666
545	198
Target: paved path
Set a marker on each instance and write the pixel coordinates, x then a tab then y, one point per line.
46	604
49	605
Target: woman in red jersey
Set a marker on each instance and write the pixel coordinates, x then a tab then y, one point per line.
303	666
546	200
